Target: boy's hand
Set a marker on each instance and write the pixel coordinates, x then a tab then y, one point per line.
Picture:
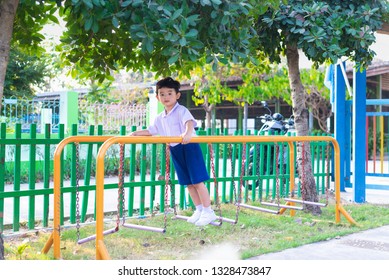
186	138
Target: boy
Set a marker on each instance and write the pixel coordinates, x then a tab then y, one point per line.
176	120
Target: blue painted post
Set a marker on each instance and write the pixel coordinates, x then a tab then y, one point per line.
347	156
339	122
359	136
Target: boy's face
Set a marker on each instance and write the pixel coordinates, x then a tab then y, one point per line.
168	97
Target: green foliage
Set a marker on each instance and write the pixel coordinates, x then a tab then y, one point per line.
161	36
323	30
31	17
23	72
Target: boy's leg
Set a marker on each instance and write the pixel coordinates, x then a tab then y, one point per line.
197	202
207	214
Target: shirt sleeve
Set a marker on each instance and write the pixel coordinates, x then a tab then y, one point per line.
153	128
187	116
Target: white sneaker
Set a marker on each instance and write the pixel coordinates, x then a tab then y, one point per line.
195	217
206	217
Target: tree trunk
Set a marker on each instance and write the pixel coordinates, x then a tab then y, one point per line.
300	112
1	247
7	16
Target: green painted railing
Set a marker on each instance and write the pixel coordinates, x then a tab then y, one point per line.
144	166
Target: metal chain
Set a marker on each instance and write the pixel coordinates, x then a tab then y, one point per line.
215	181
327	171
302	165
167	183
241	182
77	189
121	196
233	176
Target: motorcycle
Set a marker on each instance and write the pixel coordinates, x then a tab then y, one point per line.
272	124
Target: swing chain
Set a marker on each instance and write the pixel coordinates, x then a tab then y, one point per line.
167	183
241	182
215	181
121	198
327	171
77	146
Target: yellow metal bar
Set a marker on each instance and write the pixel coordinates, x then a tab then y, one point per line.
48	244
205	139
101	251
55	236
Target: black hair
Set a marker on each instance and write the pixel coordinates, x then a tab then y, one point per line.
168	82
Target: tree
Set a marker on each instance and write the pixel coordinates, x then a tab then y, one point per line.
325	31
24	71
161	36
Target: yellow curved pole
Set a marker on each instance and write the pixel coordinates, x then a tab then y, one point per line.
54	238
201	139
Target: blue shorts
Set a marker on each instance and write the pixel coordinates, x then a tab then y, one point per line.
189	163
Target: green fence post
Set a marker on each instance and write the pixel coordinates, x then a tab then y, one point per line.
73	175
3	135
61	135
17	173
143	161
132	176
32	179
87	175
46	175
224	171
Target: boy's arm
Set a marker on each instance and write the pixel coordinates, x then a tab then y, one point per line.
187	135
144	132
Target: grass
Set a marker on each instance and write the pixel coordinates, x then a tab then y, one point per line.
256	233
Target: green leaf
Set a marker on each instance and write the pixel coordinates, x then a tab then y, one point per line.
176	14
88	3
88	24
115	22
173	59
126	3
182	42
192	33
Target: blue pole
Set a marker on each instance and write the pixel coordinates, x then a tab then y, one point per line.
339	115
347	156
359	136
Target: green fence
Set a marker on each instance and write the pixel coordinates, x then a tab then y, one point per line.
26	177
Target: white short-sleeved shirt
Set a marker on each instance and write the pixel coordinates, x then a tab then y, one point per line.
173	123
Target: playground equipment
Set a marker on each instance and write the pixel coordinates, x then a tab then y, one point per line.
221	219
101	250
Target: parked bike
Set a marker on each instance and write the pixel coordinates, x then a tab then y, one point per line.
273	124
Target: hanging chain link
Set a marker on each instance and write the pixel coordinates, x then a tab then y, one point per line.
167	183
121	196
217	202
78	218
240	182
327	186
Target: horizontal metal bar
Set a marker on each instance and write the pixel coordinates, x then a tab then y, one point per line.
377	114
282	205
93	237
259	208
154	229
306	202
377	102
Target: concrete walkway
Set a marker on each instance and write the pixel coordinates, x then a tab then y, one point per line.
371	244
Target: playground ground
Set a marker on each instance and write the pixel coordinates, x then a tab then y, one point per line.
371	244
